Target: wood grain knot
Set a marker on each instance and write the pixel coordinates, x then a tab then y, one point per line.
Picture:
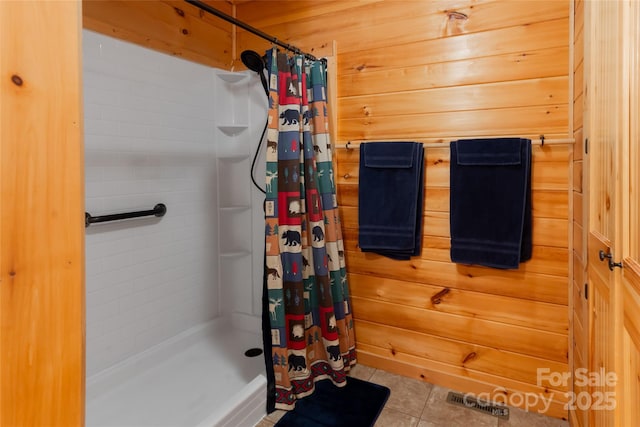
470	356
452	14
12	273
437	298
179	11
185	31
17	80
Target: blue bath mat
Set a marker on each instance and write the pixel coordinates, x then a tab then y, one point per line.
357	404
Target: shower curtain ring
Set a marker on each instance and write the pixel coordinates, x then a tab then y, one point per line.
348	146
542	140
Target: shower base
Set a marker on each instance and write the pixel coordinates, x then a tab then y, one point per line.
199	378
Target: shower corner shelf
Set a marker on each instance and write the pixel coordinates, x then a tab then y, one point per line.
233	130
231	77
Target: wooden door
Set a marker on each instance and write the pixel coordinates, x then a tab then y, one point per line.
604	128
612	131
41	215
629	401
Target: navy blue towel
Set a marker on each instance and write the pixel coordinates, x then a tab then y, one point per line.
490	203
390	192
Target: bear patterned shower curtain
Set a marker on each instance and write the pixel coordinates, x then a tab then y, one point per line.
307	296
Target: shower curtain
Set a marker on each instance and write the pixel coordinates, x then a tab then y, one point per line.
307	296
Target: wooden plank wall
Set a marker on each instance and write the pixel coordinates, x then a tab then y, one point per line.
172	27
433	71
579	303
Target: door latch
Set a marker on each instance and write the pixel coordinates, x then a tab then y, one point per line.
607	255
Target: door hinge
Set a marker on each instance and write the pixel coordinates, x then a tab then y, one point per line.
609	256
586	291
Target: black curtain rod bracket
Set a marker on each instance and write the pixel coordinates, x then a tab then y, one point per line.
203	6
158	210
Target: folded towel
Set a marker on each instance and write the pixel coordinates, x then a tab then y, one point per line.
390	192
490	204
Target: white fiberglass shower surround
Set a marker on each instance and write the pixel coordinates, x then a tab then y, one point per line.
173	302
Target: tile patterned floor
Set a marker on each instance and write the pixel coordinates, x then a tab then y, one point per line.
414	403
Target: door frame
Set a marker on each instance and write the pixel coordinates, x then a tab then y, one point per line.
42	294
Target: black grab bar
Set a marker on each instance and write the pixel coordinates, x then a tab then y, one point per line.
158	210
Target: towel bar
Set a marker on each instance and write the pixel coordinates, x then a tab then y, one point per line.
542	141
158	210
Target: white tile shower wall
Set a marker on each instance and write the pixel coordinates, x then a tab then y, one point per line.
149	138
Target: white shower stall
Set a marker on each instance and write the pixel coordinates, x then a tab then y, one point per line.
172	303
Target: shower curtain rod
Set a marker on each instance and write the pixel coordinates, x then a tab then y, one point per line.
203	6
350	145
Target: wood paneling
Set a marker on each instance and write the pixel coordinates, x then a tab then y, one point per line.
456	353
172	27
514	311
383	78
578	83
475	45
633	151
631	366
470	123
578	208
577	176
602	344
521	339
534	286
410	71
579	330
546	259
629	360
610	41
41	215
457	98
431	17
579	147
578	242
